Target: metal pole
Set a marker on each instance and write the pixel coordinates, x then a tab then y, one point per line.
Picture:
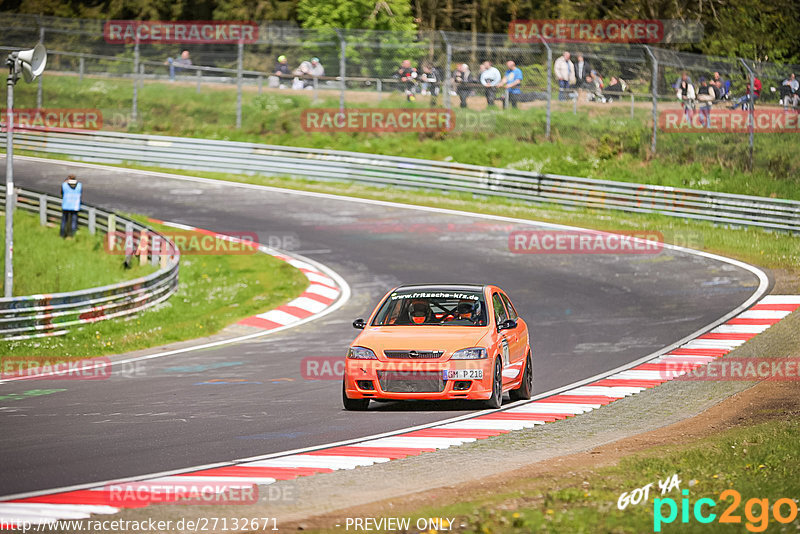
751	119
654	88
39	88
8	284
81	67
199	75
134	107
549	86
447	62
342	67
239	85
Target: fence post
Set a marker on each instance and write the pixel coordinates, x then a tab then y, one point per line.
379	84
81	67
447	62
631	105
155	250
144	246
199	76
654	89
92	220
261	84
111	226
239	60
134	108
128	242
751	118
549	86
39	88
342	67
42	210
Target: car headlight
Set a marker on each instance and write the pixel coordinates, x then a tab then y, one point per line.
476	353
361	353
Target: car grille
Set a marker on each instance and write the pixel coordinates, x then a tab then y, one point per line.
413	354
411	381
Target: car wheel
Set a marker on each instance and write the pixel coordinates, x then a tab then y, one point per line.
525	389
353	405
496	400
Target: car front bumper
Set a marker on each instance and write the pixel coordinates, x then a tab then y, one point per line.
373	379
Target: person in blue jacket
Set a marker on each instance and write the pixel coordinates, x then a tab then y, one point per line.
71	190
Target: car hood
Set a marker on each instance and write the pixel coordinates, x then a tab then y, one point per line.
446	338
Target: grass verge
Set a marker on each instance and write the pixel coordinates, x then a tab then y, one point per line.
756	461
214	291
598	141
46	263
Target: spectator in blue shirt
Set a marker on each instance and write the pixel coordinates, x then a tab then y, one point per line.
71	190
513	82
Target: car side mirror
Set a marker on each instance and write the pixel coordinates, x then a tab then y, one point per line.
508	324
359	324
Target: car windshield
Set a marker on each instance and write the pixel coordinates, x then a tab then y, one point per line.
442	308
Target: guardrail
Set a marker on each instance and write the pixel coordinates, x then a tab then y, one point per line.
48	315
251	158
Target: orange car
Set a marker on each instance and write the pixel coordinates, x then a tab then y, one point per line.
439	342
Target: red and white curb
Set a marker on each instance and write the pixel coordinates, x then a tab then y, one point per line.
221	478
323	291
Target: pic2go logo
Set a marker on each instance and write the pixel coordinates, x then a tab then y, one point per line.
756	511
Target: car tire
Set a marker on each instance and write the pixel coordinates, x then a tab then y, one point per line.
353	405
525	389
496	400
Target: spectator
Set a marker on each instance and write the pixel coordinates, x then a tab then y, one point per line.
317	69
489	78
282	66
178	65
408	77
706	95
615	89
301	73
71	190
431	78
581	72
723	86
686	95
789	91
280	71
565	74
513	82
463	78
747	100
595	84
306	73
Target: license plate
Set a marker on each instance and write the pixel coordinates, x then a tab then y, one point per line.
462	374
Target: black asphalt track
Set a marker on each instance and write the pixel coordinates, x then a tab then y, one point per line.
587	313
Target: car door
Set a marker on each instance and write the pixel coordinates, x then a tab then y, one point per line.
505	337
520	334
